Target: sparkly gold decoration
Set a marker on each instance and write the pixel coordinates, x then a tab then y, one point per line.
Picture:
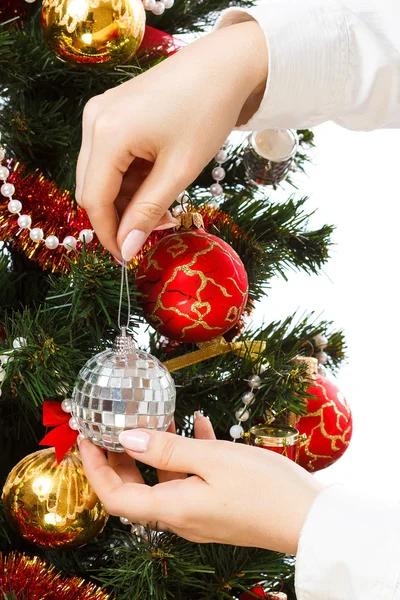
216	347
25	577
93	32
190	219
51	504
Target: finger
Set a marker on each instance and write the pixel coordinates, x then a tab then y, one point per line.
170	452
117	497
89	115
203	429
170	475
147	207
125	467
101	186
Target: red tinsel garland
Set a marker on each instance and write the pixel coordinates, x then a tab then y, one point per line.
34	579
56	212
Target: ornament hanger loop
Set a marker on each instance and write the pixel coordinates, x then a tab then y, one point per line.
124	280
186	202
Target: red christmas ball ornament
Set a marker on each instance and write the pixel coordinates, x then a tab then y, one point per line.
193	286
257	590
328	424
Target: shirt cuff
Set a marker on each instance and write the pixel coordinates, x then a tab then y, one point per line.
308	54
349	547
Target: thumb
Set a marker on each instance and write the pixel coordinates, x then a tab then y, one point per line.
170	452
148	206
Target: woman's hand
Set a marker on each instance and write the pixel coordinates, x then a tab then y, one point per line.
237	495
146	140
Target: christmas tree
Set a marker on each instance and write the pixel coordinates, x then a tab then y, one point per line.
60	296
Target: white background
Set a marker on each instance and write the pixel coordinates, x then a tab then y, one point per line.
353	182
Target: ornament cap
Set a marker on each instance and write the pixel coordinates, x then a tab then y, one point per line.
190	220
310	361
124	343
273	436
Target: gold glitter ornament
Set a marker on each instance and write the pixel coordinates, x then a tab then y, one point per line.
93	32
52	504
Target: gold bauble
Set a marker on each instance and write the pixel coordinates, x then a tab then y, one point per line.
93	32
52	504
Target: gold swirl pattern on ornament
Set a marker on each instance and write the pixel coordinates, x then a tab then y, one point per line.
321	426
199	307
47	482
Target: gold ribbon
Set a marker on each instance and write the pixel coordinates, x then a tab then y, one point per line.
215	348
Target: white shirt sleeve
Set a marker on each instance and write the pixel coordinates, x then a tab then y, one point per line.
329	60
349	549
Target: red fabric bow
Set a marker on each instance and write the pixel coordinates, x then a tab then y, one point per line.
159	42
62	437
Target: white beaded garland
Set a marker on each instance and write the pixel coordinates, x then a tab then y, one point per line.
86	235
158	9
221	156
218	173
255	381
69	242
66	405
236	432
52	242
7	189
36	234
216	189
149	4
242	415
248	398
168	3
24	221
73	423
125	521
14	206
4	172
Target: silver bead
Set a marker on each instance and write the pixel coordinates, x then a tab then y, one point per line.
218	173
30	1
221	156
122	388
242	415
248	398
86	235
73	423
36	234
24	221
14	206
254	381
236	432
7	189
125	521
66	405
52	242
168	3
262	368
4	358
4	172
69	242
149	4
2	153
216	189
158	9
322	358
320	340
19	342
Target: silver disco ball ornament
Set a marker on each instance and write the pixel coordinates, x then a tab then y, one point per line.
122	388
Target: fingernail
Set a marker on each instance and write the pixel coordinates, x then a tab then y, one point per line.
132	244
138	441
167	225
197	414
80	438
